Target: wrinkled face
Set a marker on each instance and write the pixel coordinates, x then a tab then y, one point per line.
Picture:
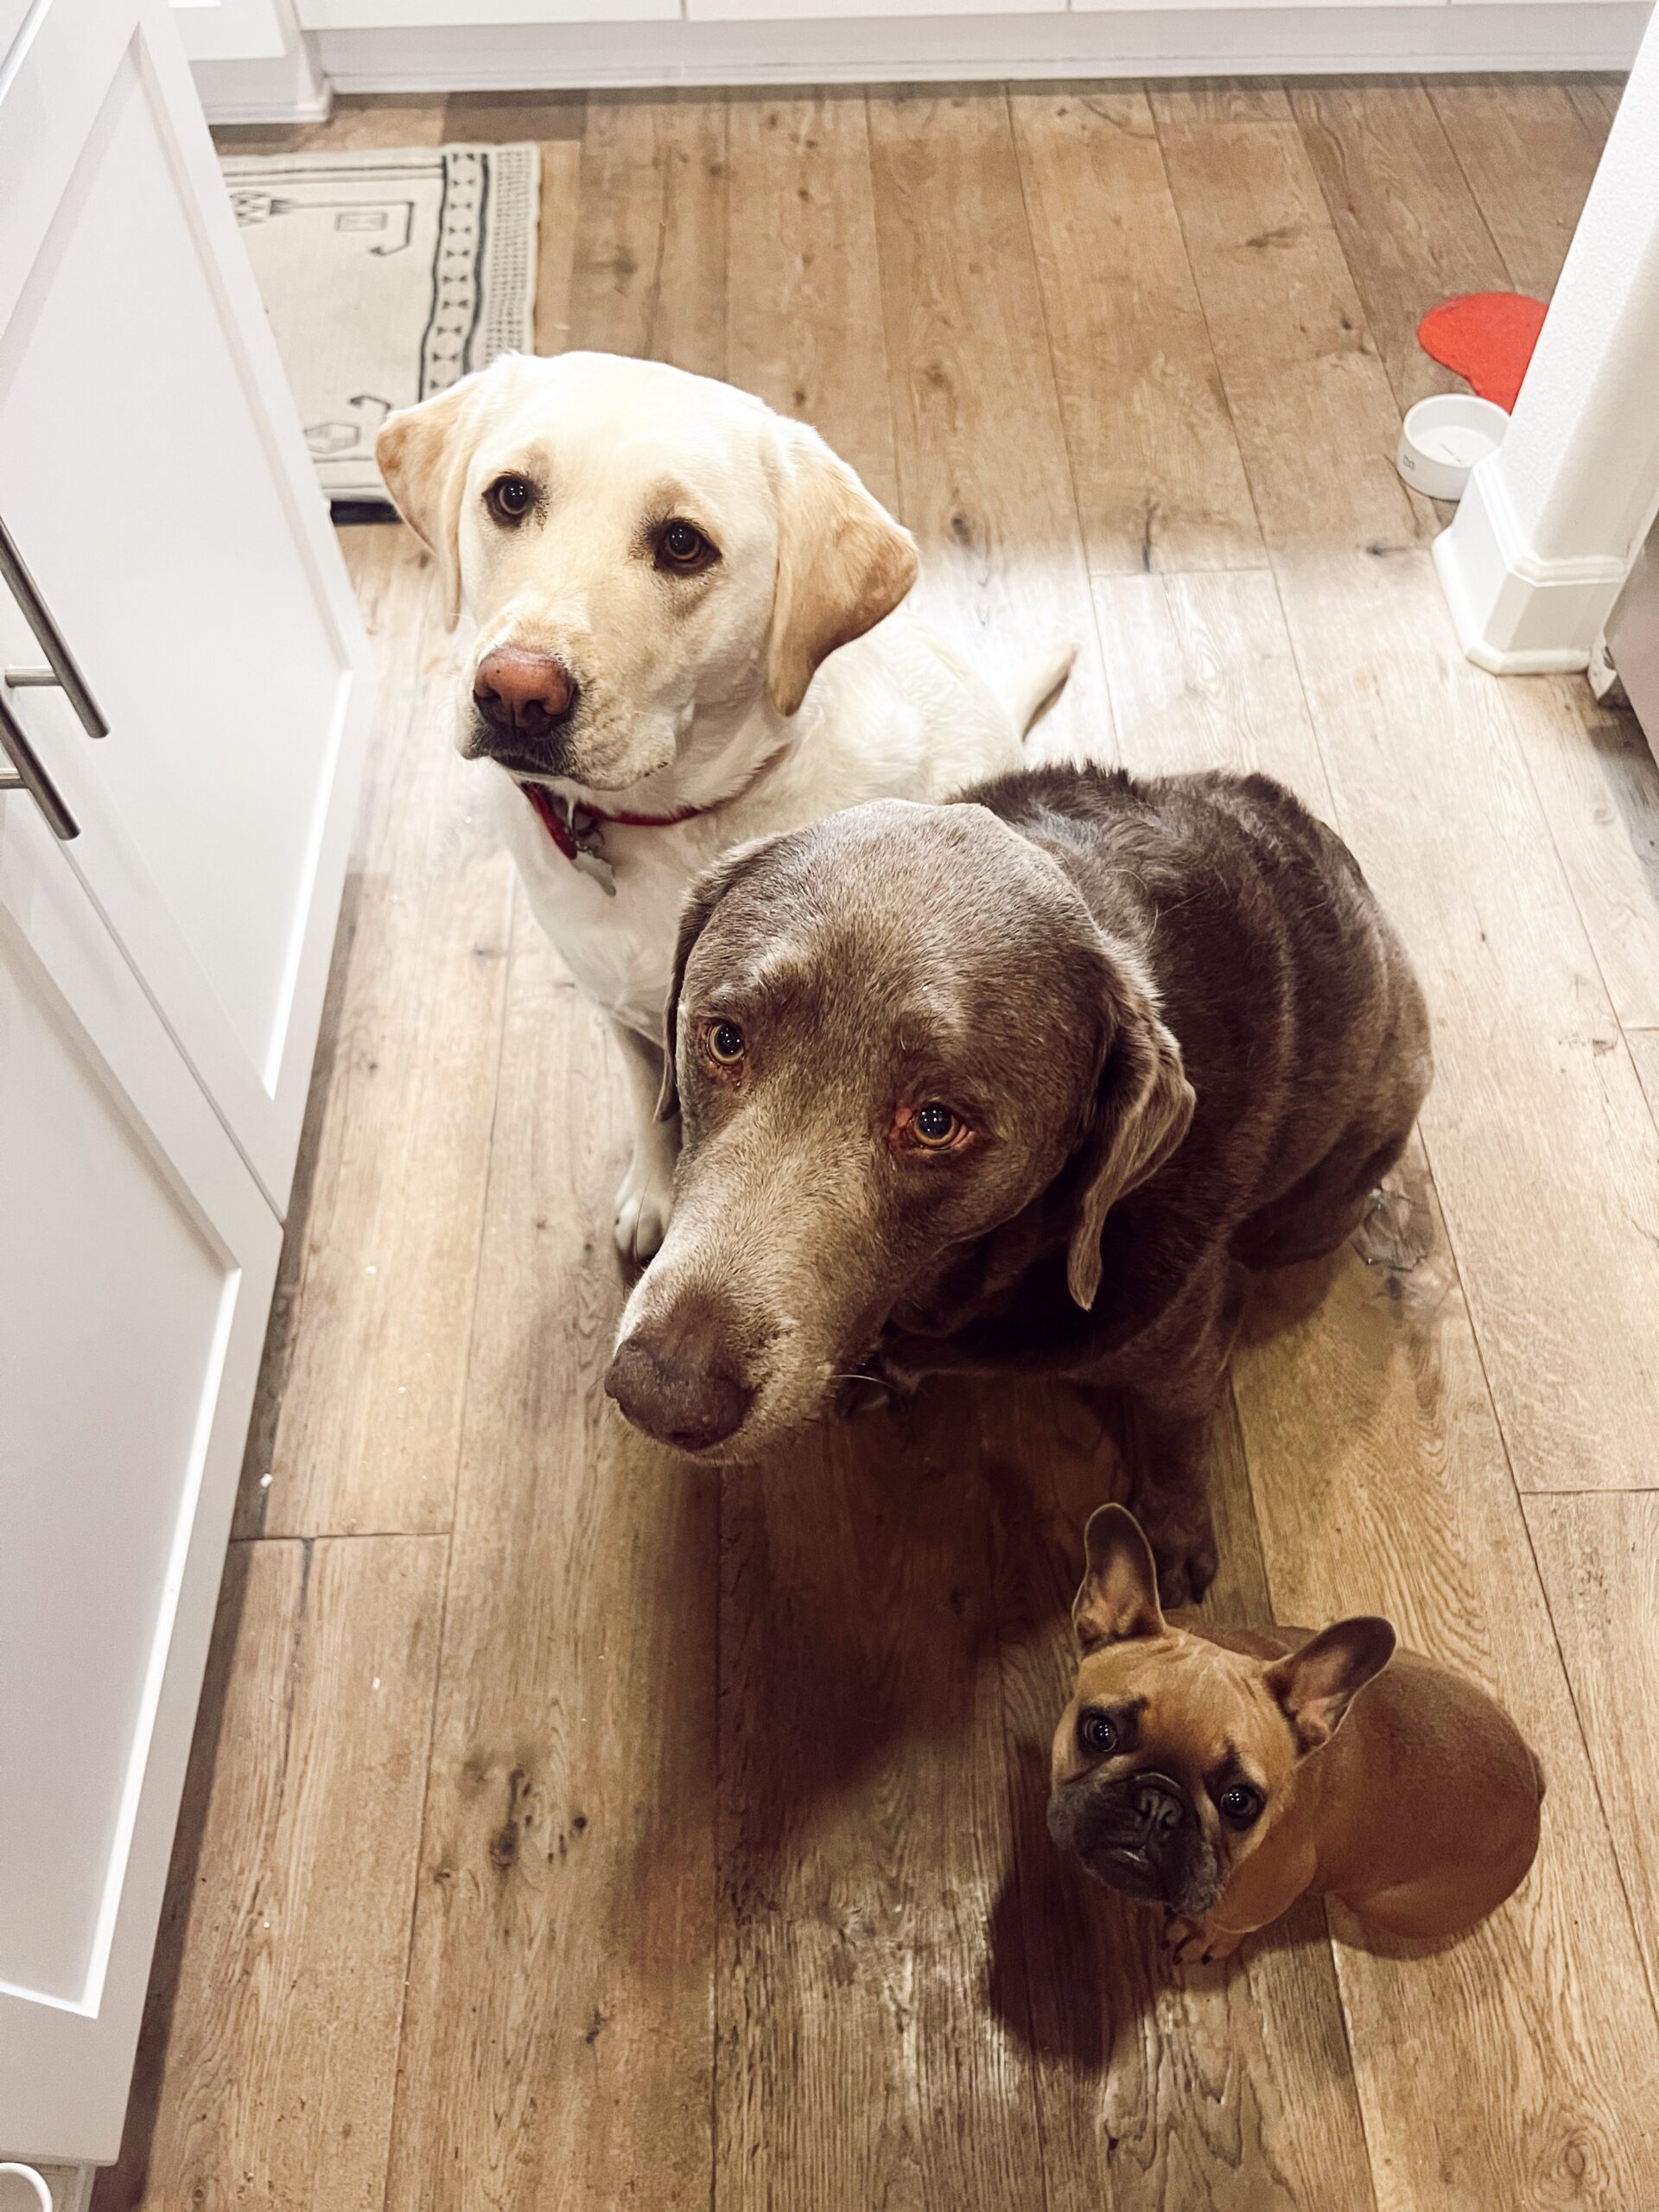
639	548
1176	1756
1168	1766
889	1027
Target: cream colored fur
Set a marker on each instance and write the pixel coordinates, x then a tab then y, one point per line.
785	652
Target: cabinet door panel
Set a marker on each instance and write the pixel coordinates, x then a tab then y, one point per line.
154	480
136	1262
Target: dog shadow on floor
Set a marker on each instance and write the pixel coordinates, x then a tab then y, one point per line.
890	1649
1078	1976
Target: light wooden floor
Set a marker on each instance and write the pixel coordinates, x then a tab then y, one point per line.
571	1828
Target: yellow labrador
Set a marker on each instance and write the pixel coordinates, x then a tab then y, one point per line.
686	638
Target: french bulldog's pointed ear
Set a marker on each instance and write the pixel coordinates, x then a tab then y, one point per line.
1316	1685
1119	1594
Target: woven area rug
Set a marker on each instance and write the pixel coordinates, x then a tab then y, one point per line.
386	276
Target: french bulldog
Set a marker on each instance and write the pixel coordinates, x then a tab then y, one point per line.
1222	1773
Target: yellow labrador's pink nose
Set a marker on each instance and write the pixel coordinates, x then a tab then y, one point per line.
521	693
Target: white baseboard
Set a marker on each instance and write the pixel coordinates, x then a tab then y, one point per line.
1515	614
292	89
1185	42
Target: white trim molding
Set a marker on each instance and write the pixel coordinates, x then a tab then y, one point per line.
290	90
1516	612
235	30
1552	521
1174	41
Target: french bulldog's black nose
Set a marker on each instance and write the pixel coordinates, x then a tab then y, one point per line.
1158	1807
674	1379
523	695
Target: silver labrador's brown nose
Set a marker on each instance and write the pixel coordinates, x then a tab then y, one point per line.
521	693
675	1379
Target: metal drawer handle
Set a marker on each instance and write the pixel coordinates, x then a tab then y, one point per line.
63	670
31	777
36	2181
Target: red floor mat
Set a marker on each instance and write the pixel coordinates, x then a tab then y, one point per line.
1486	337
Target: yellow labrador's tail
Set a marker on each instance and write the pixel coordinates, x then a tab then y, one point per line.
1030	688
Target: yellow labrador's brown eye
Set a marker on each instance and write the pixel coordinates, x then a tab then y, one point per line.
936	1126
683	546
510	499
725	1042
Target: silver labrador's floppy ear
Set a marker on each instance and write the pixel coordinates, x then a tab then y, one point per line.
422	452
844	564
700	901
1143	1108
1118	1597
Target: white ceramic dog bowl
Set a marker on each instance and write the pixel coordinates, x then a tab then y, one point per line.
1443	437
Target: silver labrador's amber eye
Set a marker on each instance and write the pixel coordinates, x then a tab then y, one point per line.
935	1126
725	1042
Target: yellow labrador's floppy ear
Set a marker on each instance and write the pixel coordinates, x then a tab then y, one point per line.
844	564
1316	1685
1143	1109
422	452
700	901
1119	1593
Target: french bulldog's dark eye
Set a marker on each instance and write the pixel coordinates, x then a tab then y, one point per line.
1097	1734
725	1042
1240	1804
510	499
682	546
936	1127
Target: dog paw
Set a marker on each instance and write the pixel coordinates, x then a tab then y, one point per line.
644	1207
1195	1943
1186	1566
1394	1231
1183	1938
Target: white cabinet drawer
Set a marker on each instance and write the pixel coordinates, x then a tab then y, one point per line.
136	1272
154	479
161	980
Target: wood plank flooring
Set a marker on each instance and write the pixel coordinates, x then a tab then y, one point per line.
569	1830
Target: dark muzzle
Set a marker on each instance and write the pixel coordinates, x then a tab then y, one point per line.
1139	1835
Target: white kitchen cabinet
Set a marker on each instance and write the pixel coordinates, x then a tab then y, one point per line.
138	1261
435	47
161	972
152	479
427	14
235	30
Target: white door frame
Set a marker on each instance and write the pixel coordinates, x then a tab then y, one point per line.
1552	521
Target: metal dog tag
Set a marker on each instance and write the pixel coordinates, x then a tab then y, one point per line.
589	841
596	865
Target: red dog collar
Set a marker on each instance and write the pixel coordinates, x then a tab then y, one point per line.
570	833
578	831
